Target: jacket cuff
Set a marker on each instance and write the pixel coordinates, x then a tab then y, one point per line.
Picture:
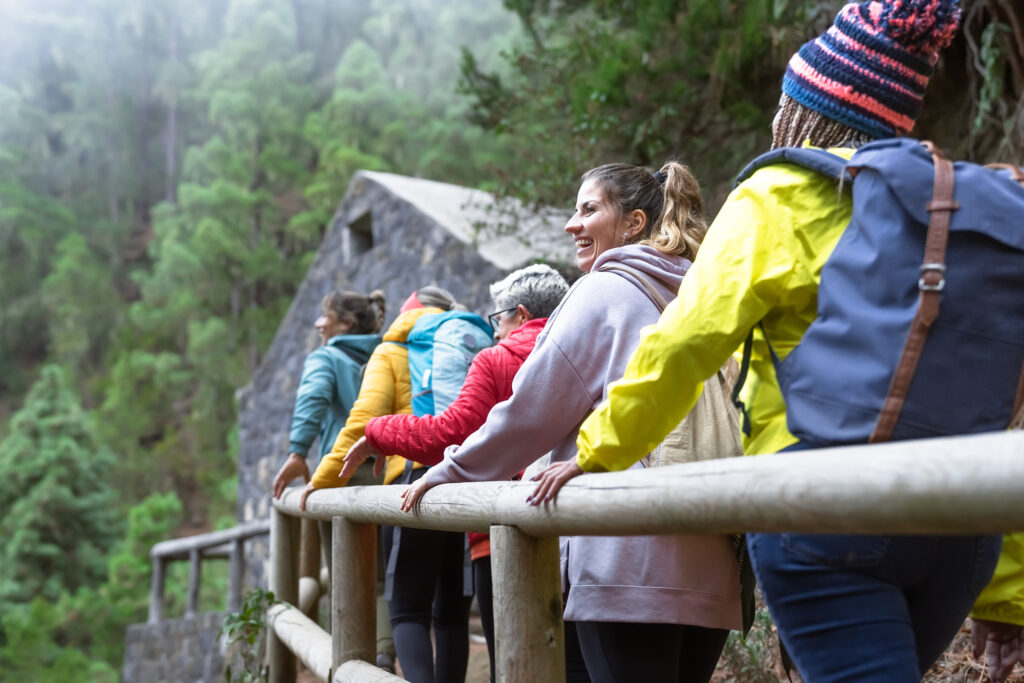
301	449
368	435
1007	613
588	463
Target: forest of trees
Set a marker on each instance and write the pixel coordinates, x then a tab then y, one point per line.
169	167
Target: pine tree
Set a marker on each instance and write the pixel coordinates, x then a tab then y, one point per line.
57	509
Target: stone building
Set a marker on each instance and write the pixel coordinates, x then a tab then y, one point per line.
396	234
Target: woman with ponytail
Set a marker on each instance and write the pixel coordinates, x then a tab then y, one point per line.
646	608
349	327
847	607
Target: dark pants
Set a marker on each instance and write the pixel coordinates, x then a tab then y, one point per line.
621	652
428	591
484	600
869	608
575	667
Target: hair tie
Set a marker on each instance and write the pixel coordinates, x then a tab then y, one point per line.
660	176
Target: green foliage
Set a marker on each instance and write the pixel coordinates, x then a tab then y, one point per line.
753	658
30	224
994	63
57	506
244	632
31	649
168	167
638	82
81	303
80	636
392	106
224	261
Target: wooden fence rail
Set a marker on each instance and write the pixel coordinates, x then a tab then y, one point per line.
216	544
971	484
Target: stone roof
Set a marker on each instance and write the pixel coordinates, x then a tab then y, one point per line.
503	231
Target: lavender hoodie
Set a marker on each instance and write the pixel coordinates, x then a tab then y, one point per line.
584	347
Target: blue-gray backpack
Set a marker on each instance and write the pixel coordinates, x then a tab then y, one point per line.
441	347
920	325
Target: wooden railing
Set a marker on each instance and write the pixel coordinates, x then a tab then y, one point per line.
216	544
944	486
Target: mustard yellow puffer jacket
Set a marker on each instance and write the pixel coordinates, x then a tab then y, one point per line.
760	262
386	390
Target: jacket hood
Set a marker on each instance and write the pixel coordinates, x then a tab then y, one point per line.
399	330
662	270
359	346
522	339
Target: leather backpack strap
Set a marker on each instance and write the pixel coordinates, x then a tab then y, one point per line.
730	375
930	284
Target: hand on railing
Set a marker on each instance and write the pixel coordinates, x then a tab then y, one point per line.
1003	645
550	481
414	492
357	455
294	466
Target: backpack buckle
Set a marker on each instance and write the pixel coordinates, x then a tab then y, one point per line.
939	268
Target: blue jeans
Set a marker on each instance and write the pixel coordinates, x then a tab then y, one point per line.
869	608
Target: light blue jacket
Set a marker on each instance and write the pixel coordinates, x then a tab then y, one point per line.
330	383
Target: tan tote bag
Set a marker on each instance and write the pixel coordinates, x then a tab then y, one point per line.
712	428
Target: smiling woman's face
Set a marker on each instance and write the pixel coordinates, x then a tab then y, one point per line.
596	226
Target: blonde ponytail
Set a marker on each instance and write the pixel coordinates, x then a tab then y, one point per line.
670	199
681	227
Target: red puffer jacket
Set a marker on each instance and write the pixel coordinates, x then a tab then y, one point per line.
488	382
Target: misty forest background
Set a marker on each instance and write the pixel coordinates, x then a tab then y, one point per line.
168	169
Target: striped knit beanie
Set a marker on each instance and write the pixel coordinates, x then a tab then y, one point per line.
870	69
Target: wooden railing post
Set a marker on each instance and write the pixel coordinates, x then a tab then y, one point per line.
529	637
353	592
284	582
156	591
309	565
309	560
235	570
195	570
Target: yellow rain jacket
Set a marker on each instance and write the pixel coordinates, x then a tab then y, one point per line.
386	390
760	263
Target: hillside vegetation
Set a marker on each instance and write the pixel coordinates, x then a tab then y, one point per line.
169	167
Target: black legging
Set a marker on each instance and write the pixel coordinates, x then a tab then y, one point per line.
618	652
428	590
484	597
575	667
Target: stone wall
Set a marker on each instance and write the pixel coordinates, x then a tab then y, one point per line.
185	650
388	235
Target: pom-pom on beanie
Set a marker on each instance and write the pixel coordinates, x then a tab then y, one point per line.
870	69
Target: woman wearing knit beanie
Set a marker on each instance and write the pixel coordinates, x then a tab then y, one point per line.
848	607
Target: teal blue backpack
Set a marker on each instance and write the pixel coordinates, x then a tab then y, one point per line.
441	348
